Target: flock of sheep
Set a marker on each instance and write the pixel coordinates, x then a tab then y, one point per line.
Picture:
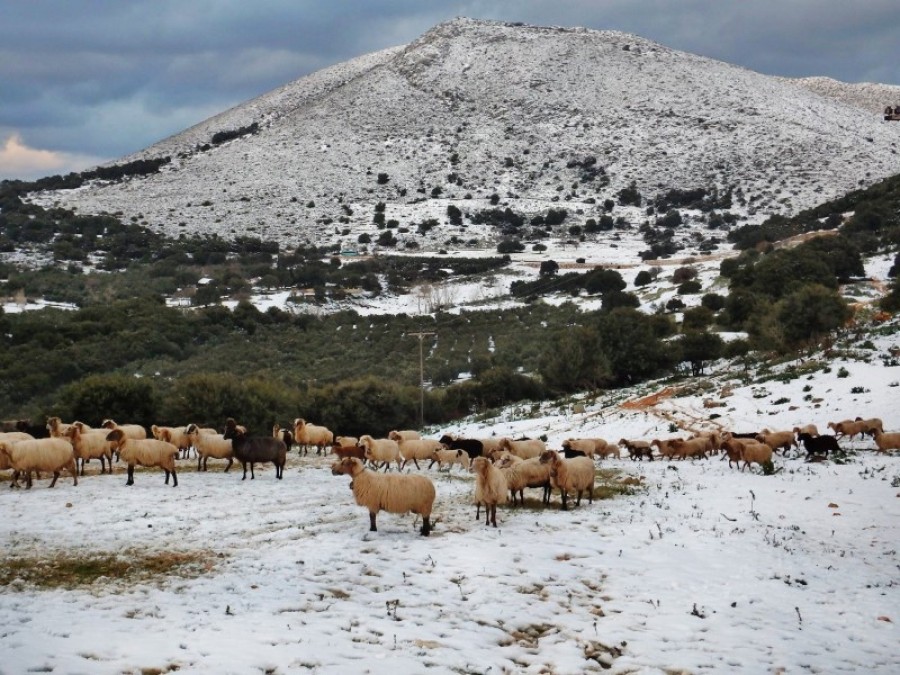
502	467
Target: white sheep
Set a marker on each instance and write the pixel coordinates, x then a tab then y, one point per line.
41	454
394	493
810	429
414	449
575	474
755	453
886	441
525	473
177	436
590	447
490	489
58	428
665	446
145	452
207	445
306	434
699	446
783	440
526	449
382	450
871	425
90	445
450	457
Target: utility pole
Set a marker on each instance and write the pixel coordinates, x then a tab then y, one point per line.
421	335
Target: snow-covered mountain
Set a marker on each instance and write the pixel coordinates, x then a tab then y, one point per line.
477	108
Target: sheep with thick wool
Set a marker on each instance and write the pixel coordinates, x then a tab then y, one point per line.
381	451
40	454
755	453
810	429
871	425
144	452
444	455
177	436
394	493
306	435
90	445
778	440
525	448
637	449
665	446
15	436
525	473
414	449
210	446
575	475
699	446
490	489
590	447
887	441
848	428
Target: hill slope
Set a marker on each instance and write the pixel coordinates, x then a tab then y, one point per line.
474	108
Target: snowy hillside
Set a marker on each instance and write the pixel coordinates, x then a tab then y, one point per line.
473	109
692	567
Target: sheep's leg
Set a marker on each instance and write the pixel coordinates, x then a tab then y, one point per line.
199	462
478	511
372	527
252	475
227	466
432	464
174	479
426	526
494	515
244	464
565	507
416	463
130	480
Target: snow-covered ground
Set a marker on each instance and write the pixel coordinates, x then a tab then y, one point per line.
701	568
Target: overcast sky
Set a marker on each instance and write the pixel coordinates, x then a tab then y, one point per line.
87	81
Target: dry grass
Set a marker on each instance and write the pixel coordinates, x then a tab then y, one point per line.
70	570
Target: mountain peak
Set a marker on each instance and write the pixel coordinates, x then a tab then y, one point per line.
481	113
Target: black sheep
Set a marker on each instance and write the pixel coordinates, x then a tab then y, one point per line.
471	446
818	445
252	449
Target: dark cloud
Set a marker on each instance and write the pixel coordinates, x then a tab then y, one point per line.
69	70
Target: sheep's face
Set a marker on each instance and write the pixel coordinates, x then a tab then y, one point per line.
479	464
348	466
549	457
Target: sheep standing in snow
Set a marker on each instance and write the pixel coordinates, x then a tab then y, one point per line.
90	445
576	475
306	435
208	445
778	440
473	447
757	453
144	452
255	449
637	449
41	454
394	493
490	489
525	448
885	442
414	449
589	447
449	457
382	450
525	473
177	436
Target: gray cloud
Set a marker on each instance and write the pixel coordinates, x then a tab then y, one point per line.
103	78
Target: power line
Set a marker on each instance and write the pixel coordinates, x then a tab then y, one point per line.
421	335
